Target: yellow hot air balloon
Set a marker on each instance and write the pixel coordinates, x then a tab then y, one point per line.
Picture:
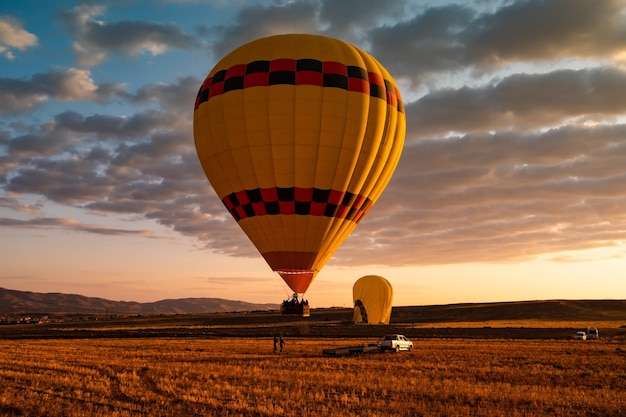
298	135
372	297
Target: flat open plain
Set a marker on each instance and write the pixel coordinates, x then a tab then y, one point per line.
243	377
224	365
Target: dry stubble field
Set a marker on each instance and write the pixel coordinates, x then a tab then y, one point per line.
242	377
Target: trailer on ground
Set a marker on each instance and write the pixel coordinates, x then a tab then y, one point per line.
351	350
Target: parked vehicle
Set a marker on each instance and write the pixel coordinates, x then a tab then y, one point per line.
581	336
396	342
592	333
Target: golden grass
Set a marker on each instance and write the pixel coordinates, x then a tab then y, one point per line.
242	377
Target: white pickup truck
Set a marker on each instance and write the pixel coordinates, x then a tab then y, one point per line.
395	342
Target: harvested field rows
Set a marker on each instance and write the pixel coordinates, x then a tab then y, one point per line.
242	377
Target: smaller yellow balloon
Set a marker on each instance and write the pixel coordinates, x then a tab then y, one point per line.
372	296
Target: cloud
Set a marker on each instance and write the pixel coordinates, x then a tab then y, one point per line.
71	224
20	95
558	28
40	144
456	38
136	126
173	97
427	43
498	198
261	21
14	36
349	19
505	163
96	39
521	101
34	210
143	164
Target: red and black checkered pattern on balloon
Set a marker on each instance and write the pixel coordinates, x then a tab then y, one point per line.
299	72
296	200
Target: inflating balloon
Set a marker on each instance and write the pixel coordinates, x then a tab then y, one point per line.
298	135
372	297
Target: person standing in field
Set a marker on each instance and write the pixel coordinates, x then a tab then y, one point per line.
275	343
282	343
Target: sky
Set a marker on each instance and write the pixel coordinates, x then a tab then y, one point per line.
511	185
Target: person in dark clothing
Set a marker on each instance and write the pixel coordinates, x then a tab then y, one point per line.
282	343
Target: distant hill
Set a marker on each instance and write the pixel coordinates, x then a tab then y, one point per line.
20	302
17	302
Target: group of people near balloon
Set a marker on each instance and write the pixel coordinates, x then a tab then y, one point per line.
278	341
294	301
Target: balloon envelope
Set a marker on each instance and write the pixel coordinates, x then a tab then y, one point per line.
373	296
298	135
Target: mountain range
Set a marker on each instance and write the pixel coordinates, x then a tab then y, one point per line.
19	302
